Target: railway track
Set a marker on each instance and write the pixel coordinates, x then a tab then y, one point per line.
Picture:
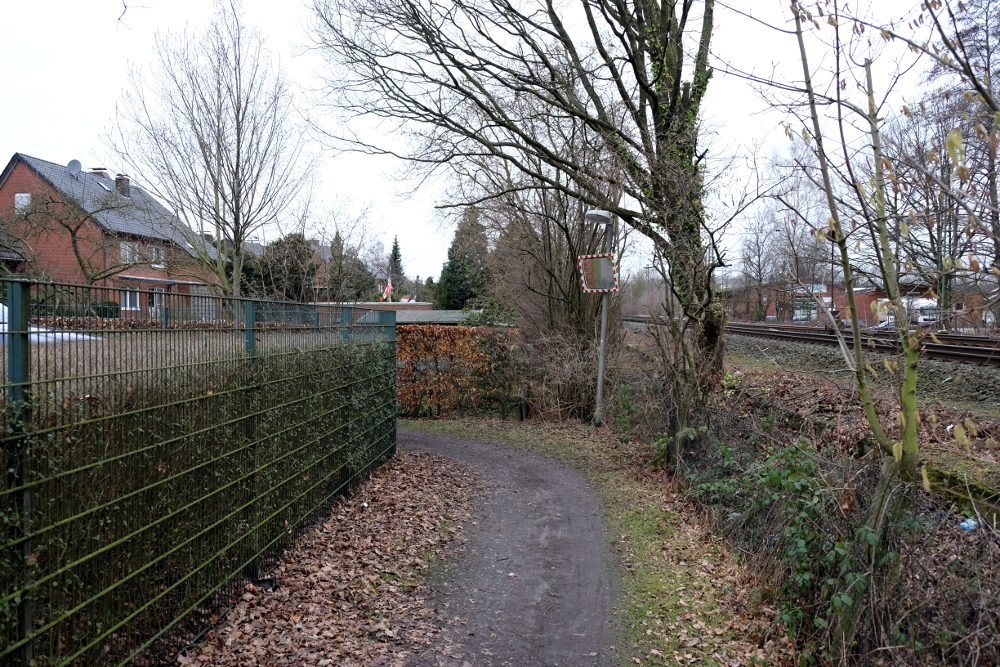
945	338
952	347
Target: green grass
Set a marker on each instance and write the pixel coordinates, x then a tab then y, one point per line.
651	531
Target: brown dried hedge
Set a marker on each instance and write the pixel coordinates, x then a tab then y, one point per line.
447	368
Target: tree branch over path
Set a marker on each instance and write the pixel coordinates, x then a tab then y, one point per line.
481	81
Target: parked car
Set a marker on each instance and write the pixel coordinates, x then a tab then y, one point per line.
800	318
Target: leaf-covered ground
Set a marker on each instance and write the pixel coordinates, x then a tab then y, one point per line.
352	593
959	445
833	400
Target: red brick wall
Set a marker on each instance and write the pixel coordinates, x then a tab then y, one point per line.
50	247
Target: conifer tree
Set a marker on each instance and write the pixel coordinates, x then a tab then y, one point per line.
463	276
396	261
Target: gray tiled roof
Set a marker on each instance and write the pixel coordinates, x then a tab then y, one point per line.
140	214
255	249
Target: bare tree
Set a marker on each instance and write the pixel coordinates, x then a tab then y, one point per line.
976	29
510	81
860	183
97	254
356	252
756	263
536	234
935	224
209	130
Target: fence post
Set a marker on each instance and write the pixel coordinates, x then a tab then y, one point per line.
165	313
387	327
345	323
387	323
316	320
252	570
18	377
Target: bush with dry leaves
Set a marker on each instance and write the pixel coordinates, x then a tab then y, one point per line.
445	368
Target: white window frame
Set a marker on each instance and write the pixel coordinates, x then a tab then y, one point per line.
157	256
22	202
130	298
129	252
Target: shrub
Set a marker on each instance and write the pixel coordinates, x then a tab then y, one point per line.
446	368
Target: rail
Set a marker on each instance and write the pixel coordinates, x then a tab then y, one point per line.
952	347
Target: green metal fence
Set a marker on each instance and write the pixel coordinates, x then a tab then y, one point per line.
162	448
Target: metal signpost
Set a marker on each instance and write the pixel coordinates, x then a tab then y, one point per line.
598	274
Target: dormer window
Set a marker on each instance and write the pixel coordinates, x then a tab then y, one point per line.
22	202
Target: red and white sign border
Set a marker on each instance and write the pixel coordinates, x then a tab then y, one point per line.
614	272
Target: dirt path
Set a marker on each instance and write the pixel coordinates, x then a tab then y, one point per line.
534	585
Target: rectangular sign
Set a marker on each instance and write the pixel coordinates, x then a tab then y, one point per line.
598	273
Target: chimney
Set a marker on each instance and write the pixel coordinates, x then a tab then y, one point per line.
123	185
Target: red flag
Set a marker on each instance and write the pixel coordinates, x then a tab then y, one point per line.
388	290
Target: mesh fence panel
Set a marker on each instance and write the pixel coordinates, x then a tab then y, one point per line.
162	448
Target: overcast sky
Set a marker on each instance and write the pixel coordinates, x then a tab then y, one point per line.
65	61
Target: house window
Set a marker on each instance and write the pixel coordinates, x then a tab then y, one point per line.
156	255
22	202
130	299
159	294
130	252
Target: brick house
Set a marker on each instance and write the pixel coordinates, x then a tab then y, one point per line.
782	301
92	228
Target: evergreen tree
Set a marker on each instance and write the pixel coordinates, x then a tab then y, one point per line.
396	261
288	268
463	276
349	278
